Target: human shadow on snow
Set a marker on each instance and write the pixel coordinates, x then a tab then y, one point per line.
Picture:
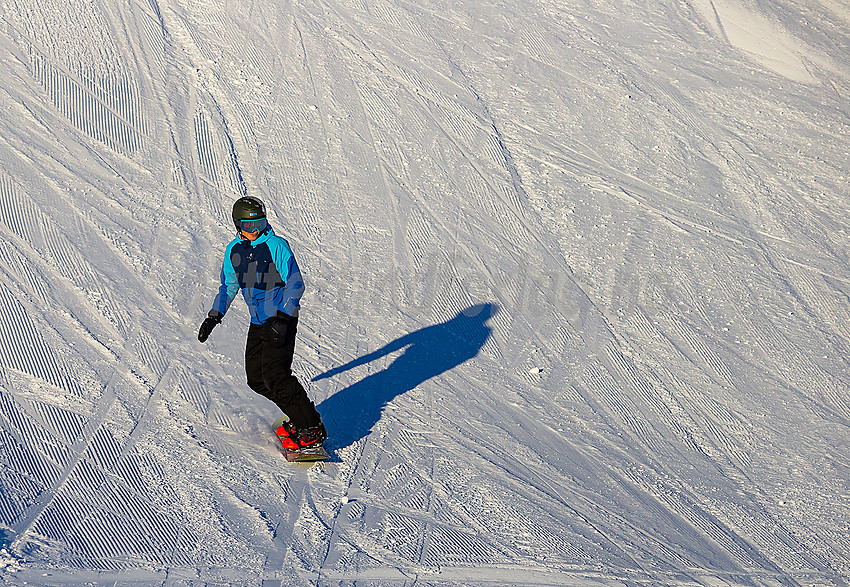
351	413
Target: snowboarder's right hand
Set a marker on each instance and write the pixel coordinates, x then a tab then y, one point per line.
207	327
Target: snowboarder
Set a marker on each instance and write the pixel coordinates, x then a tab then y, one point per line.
262	265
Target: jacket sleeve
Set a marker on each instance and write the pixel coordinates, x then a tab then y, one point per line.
228	289
289	297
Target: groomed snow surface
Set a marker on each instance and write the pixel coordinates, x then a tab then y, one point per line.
578	305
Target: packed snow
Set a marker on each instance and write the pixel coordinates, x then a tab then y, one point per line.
578	291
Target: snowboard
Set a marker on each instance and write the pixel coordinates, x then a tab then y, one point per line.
309	454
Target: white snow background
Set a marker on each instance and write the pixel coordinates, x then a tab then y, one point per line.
589	260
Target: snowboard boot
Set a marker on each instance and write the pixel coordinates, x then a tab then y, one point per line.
299	438
284	431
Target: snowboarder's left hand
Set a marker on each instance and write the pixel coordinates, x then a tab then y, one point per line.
278	328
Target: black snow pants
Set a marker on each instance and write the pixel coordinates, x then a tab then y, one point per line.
268	364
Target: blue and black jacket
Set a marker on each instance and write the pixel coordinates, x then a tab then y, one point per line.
266	272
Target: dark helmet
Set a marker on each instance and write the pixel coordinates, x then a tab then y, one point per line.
248	208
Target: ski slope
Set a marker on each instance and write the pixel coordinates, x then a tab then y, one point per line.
578	291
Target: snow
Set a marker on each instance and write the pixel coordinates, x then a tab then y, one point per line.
578	291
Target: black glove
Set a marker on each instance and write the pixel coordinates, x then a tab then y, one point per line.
207	326
278	327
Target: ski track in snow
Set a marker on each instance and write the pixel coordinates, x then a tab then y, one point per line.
651	198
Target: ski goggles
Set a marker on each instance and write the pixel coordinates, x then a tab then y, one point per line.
249	226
